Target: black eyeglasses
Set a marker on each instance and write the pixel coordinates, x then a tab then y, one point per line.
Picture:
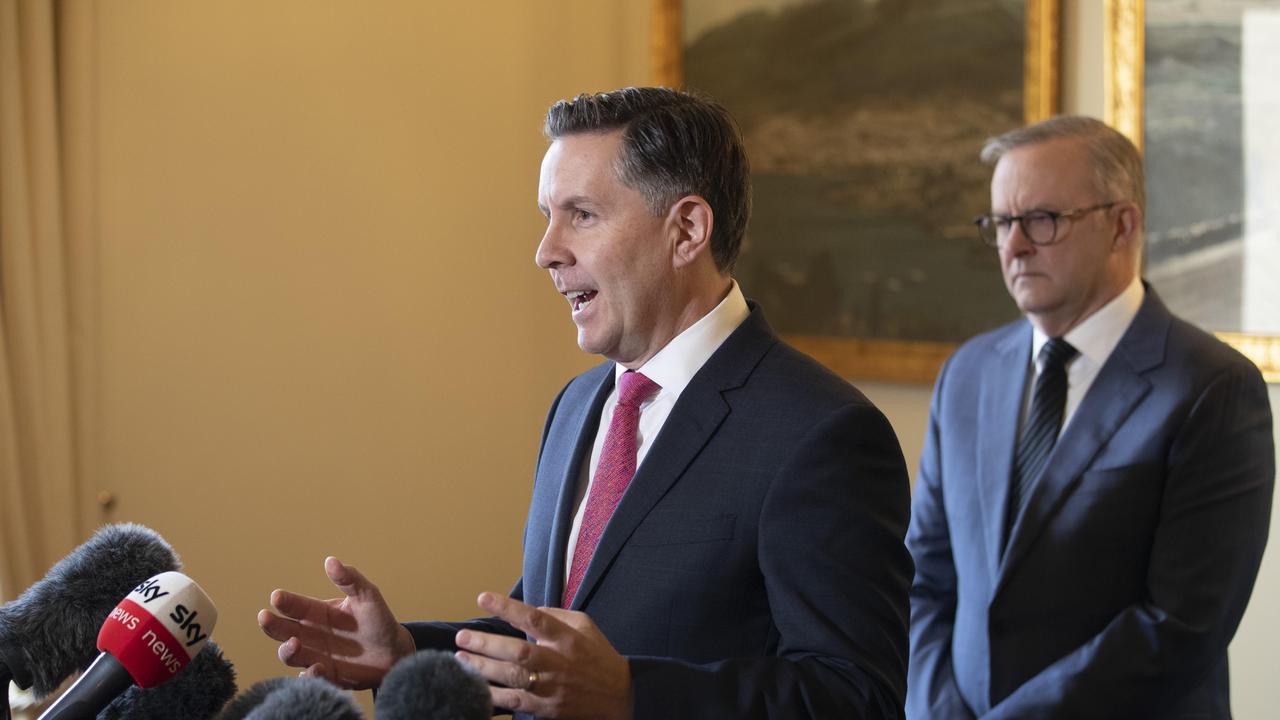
1040	227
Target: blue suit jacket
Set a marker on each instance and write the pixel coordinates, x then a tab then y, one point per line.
1127	573
755	567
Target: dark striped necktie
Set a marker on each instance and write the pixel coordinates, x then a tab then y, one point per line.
1043	423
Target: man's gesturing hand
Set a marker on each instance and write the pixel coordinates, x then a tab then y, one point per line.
569	671
352	641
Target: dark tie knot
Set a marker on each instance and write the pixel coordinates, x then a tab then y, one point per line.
1056	353
634	388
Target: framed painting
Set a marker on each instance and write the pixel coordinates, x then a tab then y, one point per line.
863	122
1193	83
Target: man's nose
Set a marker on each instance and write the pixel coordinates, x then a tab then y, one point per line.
1015	241
552	251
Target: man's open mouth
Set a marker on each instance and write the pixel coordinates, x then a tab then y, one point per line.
580	299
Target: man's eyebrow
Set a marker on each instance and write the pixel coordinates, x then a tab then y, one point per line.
576	201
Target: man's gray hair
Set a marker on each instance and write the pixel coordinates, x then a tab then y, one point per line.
1117	165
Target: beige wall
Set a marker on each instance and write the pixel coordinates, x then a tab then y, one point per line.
321	327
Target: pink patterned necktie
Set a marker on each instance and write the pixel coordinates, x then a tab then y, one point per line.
613	473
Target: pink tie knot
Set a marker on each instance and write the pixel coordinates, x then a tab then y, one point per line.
634	389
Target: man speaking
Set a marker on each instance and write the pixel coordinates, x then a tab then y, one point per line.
717	522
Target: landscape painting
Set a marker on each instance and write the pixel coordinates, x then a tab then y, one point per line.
1207	212
1210	99
863	120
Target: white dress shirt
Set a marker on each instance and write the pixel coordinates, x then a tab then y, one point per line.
1095	338
671	368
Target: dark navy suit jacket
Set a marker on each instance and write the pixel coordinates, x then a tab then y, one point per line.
755	567
1129	569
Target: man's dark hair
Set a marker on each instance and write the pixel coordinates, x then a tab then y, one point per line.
674	143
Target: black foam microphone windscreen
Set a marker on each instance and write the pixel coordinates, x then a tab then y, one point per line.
306	698
196	693
433	685
51	630
257	693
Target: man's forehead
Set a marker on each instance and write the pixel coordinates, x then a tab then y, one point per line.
602	143
1055	167
1047	157
575	164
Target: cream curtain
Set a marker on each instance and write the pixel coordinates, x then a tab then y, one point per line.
46	311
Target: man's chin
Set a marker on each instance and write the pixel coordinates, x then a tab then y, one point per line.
590	345
1030	302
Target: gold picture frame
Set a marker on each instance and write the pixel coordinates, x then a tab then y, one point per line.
906	361
1124	103
1123	41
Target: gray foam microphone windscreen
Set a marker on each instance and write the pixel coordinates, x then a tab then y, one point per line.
51	630
197	692
433	685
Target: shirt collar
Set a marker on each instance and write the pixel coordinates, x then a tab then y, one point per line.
675	365
1099	333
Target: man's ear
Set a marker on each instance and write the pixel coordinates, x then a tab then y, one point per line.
691	221
1126	229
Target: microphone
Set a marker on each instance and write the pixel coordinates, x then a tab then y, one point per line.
293	698
47	633
238	708
152	634
433	685
197	694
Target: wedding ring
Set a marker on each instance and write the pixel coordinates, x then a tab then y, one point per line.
533	678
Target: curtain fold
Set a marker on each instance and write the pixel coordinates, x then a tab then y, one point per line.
40	493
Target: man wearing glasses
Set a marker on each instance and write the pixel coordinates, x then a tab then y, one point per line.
1095	490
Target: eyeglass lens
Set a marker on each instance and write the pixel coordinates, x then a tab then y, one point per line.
1039	226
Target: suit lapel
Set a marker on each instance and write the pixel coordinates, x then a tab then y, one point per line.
567	447
693	421
1003	383
1117	390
